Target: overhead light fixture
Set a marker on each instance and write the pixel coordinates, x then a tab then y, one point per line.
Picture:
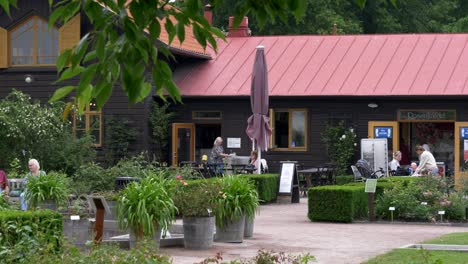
372	105
28	78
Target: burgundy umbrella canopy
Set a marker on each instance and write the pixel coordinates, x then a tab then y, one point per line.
258	127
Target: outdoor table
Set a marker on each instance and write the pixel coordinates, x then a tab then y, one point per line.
311	175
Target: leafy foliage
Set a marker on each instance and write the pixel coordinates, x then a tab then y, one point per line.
339	144
407	200
23	234
119	136
91	177
267	186
146	205
31	130
103	57
50	187
160	120
265	257
196	198
236	199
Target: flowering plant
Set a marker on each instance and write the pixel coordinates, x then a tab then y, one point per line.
340	143
195	199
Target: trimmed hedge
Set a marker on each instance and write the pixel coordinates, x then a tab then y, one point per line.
337	203
44	226
344	203
267	186
344	179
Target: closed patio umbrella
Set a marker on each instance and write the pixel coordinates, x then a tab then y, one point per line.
258	124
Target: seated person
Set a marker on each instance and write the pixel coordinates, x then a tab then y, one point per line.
395	167
4	185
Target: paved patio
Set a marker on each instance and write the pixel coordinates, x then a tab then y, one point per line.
287	228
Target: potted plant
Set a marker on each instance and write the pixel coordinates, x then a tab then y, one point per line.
146	208
195	203
47	192
237	199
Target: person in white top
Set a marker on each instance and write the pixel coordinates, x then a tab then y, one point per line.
395	163
427	162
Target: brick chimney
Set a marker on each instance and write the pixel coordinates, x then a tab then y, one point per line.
242	31
208	14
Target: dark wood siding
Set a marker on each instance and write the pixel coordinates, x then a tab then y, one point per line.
236	111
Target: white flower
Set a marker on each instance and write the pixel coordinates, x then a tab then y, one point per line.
355	144
343	136
352	130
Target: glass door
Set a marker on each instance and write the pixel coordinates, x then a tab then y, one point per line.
461	150
183	143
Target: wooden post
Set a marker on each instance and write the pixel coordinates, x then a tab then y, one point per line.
99	225
371	207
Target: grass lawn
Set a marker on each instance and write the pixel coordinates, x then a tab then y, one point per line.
417	256
450	239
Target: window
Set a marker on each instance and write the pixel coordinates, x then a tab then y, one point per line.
207	115
89	123
33	43
289	129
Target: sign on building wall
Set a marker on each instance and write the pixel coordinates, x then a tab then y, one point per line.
383	132
233	142
427	115
464	132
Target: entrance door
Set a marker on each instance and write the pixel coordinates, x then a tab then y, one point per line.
183	143
385	129
461	150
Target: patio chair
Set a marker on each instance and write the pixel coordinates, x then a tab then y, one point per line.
357	175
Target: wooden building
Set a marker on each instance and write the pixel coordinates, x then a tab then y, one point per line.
416	85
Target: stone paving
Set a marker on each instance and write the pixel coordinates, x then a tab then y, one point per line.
287	228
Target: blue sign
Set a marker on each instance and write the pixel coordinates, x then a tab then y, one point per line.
464	132
383	132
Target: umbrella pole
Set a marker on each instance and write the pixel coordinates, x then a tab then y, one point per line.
259	162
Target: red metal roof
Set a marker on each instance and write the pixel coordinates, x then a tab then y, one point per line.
353	65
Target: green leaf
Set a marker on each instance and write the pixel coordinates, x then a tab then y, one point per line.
80	50
6	6
155	29
199	35
61	92
181	32
56	14
90	56
361	3
170	29
144	92
105	91
70	73
63	60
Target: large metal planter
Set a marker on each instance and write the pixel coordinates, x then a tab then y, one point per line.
133	240
198	232
233	232
249	227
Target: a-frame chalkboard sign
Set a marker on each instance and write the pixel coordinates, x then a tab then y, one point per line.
289	183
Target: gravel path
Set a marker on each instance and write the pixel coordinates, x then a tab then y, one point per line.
287	228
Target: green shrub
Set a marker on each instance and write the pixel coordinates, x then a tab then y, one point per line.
196	199
26	233
337	203
52	187
344	179
266	185
119	136
92	177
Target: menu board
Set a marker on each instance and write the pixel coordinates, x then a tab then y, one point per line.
286	181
